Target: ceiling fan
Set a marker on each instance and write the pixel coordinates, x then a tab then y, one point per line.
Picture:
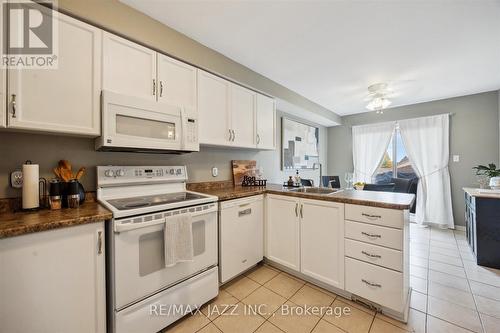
380	94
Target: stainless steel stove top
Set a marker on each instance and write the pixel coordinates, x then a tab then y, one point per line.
154	200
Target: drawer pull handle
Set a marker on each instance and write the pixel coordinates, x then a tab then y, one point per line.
371	284
296	210
371	217
371	255
245	212
371	235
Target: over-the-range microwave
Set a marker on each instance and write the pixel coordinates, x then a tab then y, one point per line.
140	125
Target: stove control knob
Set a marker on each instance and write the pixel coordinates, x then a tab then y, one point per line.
120	173
172	171
109	173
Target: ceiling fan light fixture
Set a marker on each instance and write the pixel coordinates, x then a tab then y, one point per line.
378	103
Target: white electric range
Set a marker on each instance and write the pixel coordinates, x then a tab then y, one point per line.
143	294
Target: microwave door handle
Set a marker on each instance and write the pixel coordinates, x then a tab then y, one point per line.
183	128
121	227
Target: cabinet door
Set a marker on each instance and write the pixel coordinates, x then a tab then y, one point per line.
213	109
128	68
176	83
241	236
266	122
57	277
282	231
243	122
66	99
322	241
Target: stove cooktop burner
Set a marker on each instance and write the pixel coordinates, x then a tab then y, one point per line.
153	200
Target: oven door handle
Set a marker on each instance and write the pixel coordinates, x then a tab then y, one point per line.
121	227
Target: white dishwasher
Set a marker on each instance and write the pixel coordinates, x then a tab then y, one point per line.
241	235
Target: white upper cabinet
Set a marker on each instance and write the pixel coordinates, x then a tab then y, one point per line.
266	122
322	241
176	83
242	106
128	68
213	110
234	116
66	99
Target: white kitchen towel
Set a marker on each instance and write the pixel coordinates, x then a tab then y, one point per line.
178	236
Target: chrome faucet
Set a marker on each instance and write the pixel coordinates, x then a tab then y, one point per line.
320	172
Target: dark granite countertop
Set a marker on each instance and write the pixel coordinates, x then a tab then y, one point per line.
367	198
21	222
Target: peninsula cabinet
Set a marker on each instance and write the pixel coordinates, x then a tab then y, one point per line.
307	236
54	281
65	99
233	116
482	216
134	70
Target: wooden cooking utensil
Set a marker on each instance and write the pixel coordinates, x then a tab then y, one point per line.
80	173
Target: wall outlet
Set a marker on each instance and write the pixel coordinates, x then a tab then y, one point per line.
456	158
215	172
16	179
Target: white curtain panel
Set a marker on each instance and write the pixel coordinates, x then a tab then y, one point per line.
427	144
369	143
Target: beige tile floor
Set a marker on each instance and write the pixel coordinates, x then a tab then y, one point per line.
450	294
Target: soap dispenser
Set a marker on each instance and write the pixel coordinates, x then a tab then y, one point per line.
297	178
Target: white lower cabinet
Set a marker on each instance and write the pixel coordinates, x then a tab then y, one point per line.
241	237
282	231
322	241
54	281
307	236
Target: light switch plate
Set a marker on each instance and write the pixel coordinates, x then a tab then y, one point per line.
215	172
16	179
456	158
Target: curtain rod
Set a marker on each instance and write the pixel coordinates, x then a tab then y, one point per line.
395	121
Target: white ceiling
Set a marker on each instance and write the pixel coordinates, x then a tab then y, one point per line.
331	51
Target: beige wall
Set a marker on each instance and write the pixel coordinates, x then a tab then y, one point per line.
47	150
474	135
116	17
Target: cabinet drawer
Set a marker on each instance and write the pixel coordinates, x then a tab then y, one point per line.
375	215
374	234
376	284
374	254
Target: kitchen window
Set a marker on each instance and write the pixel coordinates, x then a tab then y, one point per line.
395	162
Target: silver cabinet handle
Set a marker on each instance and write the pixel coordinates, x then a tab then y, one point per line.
234	135
99	242
161	88
154	87
258	139
371	284
230	135
13	105
372	217
371	235
301	211
297	209
245	212
371	255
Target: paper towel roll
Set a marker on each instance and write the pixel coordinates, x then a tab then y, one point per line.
31	197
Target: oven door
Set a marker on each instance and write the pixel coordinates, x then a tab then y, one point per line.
134	123
138	253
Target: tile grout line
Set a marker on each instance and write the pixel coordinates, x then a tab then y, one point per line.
468	283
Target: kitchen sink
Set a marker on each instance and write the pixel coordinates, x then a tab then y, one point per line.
315	190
